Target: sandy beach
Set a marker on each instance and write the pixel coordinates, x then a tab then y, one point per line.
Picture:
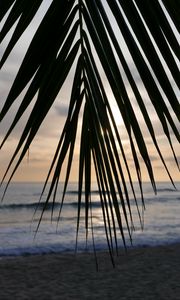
143	273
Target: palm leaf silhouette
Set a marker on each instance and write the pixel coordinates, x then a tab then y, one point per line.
70	36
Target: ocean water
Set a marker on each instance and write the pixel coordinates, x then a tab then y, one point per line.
19	217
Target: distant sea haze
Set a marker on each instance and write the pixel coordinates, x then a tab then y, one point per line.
18	220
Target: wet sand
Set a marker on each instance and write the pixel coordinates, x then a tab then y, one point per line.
143	273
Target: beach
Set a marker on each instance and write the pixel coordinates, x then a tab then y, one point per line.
142	273
45	268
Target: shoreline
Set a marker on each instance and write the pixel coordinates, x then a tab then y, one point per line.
142	273
89	251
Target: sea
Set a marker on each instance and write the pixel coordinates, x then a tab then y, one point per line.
21	233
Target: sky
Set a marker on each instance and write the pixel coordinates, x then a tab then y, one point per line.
35	166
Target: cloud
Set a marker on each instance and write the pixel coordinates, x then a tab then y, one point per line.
61	110
48	135
170	159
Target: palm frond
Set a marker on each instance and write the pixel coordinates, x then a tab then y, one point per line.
69	37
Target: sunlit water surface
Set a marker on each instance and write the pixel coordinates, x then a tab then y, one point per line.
18	223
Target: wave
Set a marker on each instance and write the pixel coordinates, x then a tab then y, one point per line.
48	206
74	204
56	248
28	205
75	192
166	190
69	247
96	204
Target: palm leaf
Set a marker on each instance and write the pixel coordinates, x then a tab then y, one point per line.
69	37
